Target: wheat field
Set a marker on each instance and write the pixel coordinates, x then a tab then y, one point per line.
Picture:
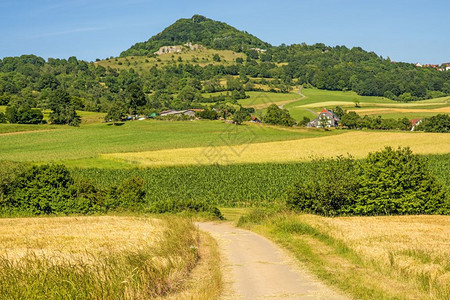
356	143
104	257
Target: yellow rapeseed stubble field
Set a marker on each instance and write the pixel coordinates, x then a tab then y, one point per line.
355	143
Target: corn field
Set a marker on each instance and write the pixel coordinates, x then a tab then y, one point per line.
244	185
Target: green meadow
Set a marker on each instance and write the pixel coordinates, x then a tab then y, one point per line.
88	141
315	100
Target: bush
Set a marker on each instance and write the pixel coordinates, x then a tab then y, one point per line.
398	182
439	123
329	189
129	194
387	182
43	190
278	116
24	115
2	118
51	189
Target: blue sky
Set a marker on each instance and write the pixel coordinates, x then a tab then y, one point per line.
410	31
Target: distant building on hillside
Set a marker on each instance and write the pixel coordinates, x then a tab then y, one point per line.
328	115
173	112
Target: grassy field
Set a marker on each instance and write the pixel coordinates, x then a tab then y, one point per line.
201	57
316	100
356	143
88	141
101	258
403	257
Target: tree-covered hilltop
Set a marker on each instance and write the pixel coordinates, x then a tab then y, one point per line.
198	30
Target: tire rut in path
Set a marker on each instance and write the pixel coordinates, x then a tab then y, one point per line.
256	268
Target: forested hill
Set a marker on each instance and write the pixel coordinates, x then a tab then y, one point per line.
201	30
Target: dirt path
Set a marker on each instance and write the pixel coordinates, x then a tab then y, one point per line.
256	268
301	97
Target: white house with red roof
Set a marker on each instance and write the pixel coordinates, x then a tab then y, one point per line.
325	117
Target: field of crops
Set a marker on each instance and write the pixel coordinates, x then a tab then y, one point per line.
95	257
231	185
355	143
88	141
316	100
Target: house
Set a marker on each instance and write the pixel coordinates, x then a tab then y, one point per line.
415	123
327	116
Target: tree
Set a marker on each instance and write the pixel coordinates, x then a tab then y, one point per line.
23	115
216	58
63	111
135	97
240	116
324	122
339	112
350	120
116	113
398	182
304	121
208	114
278	116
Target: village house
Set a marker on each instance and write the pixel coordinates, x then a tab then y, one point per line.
327	116
415	123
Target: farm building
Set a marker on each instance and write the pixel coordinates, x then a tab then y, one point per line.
327	116
172	112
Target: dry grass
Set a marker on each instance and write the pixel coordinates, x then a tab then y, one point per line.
416	247
103	258
201	57
76	236
356	143
389	257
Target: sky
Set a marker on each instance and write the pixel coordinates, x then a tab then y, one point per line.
408	31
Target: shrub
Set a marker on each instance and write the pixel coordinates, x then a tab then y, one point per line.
398	182
329	189
387	182
439	123
129	194
278	116
43	189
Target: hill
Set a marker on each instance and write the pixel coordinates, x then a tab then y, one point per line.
201	30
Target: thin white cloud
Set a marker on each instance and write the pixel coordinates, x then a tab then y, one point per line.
66	32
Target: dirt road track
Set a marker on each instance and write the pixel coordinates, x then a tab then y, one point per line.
256	268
